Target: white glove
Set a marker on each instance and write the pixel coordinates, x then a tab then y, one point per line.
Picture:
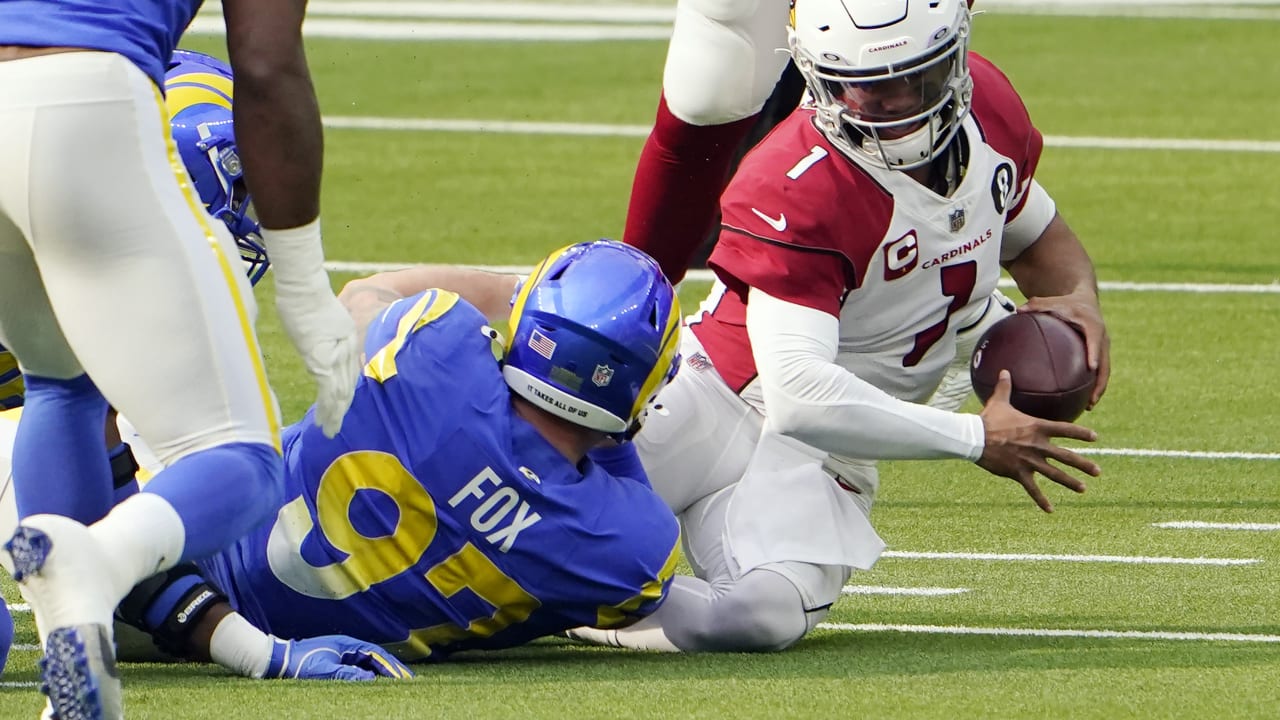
319	326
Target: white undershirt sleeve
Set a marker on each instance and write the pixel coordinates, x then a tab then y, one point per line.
809	397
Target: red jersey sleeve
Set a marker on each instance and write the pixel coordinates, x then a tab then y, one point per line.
798	220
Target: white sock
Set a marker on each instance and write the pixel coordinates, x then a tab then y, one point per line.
141	536
239	646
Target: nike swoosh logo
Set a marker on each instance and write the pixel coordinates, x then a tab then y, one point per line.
779	223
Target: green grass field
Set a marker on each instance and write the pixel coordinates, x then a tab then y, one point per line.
1138	621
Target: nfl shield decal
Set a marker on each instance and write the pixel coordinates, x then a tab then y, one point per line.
699	362
602	376
957	219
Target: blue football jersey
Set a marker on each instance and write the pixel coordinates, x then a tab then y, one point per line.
438	519
145	31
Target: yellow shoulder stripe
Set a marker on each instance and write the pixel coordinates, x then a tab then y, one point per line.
430	307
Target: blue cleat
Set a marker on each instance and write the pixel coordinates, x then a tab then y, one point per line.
62	572
29	549
79	674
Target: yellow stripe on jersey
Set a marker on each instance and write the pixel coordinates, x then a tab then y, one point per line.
430	307
201	216
608	616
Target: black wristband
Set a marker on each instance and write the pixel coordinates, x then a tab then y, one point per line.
124	467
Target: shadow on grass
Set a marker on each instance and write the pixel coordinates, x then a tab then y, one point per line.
847	656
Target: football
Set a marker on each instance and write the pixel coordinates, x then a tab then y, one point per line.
1045	357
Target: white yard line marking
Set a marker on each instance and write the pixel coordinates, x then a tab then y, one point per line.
708	276
664	14
1180	454
537	11
25	647
503	127
17	684
19	608
1139	10
1202	525
1203	144
1051	632
901	591
1044	557
478	31
1205	288
1122	3
471	125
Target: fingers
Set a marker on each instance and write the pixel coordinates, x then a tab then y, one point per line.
352	674
1056	474
1060	476
336	372
329	414
1104	377
1094	343
1028	482
1003	388
1085	317
1072	459
374	659
388	666
1054	428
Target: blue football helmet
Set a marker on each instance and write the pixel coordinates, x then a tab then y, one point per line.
198	95
594	335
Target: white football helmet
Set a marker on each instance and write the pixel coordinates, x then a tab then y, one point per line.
889	79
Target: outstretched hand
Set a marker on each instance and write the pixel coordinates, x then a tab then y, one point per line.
333	657
1018	446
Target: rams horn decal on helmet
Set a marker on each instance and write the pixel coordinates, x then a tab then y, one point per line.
198	93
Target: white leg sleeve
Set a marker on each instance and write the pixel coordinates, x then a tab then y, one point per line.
763	610
724	58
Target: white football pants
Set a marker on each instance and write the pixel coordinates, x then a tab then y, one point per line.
110	264
695	456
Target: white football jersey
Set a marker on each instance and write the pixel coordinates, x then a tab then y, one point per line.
902	267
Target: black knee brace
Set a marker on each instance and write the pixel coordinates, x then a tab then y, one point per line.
183	597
